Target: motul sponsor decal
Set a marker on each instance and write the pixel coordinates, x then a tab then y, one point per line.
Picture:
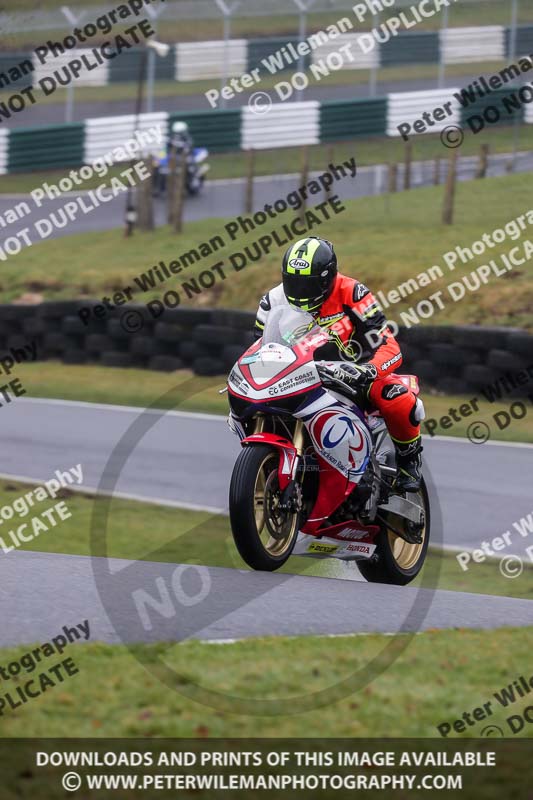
351	533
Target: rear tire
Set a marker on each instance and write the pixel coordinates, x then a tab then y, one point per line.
399	562
264	536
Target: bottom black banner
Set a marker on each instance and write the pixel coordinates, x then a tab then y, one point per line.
266	768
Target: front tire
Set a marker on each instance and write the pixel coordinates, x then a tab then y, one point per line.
264	535
399	562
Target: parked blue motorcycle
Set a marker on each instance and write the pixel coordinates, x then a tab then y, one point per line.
196	158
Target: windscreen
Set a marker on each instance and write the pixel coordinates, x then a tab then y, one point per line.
286	325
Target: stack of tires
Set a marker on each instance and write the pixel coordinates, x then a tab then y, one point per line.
453	360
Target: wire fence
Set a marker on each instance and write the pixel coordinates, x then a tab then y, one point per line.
499	34
179	10
176	10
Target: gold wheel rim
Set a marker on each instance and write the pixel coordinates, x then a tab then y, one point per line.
265	491
404	553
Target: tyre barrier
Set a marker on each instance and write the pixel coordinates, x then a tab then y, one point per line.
451	359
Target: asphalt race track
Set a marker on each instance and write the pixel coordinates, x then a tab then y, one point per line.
54	113
482	490
239	605
226	198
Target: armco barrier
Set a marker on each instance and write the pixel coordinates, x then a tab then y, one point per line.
208	341
413	47
209	60
45	147
4	151
285	125
344	120
21	76
358	58
126	69
218	132
464	45
103	134
195	61
524	41
409	106
508	113
259	49
96	76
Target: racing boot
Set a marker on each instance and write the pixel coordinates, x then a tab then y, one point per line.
409	466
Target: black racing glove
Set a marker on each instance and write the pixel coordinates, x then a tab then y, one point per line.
356	376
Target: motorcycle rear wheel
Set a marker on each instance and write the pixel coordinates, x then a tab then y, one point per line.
399	561
264	535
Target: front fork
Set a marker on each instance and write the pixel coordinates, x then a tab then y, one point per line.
291	497
259	424
298	438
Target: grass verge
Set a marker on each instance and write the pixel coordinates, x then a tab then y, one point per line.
384	240
113	695
376	150
440	675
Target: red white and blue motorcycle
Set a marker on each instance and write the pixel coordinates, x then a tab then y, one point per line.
315	474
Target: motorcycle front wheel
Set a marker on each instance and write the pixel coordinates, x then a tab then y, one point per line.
264	534
194	187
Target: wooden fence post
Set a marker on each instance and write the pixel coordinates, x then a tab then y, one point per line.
249	189
407	169
436	172
179	193
393	178
171	184
145	203
331	160
483	161
449	190
304	179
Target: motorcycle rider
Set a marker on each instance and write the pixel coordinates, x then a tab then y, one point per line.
361	339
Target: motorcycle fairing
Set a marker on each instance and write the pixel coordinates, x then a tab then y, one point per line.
294	378
328	547
351	531
343	445
289	455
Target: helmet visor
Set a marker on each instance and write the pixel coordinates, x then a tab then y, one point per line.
304	292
